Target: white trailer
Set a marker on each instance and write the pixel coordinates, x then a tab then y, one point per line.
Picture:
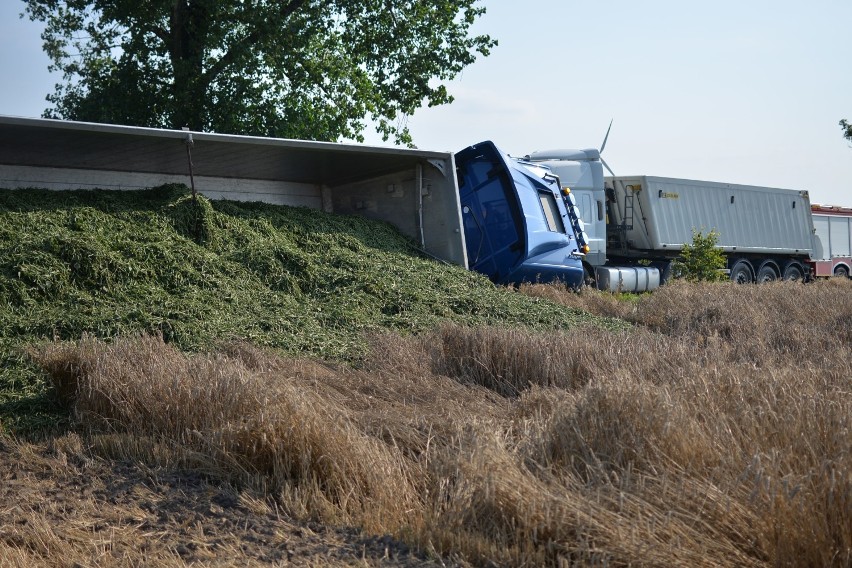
833	226
766	233
415	190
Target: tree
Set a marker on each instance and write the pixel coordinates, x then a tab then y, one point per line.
847	129
701	261
308	69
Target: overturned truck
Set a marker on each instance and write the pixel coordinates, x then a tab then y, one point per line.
531	234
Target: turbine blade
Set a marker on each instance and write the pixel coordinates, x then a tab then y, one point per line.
607	136
607	167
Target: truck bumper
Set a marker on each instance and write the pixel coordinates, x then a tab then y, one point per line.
566	270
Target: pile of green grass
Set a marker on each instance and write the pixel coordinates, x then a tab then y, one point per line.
109	264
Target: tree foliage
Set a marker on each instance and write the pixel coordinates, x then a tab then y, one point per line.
847	129
309	69
701	260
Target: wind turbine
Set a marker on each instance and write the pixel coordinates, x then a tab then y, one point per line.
602	149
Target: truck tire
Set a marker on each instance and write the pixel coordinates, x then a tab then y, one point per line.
589	277
665	269
767	272
793	271
742	273
841	271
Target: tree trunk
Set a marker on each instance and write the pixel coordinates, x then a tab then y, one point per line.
190	23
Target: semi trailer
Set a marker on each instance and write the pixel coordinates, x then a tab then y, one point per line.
639	224
765	233
833	226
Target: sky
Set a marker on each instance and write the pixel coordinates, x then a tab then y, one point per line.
736	91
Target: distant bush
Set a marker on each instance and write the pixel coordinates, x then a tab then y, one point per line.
701	261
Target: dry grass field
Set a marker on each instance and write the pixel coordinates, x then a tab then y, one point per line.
716	431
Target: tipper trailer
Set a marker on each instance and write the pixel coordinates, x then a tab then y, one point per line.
765	233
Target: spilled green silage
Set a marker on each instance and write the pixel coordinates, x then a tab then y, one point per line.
298	280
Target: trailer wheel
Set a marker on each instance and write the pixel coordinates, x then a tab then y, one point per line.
794	272
742	273
841	271
767	273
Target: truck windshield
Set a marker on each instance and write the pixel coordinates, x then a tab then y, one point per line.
488	222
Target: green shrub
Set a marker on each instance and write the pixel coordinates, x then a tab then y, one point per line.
701	261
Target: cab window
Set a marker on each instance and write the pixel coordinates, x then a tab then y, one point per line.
551	212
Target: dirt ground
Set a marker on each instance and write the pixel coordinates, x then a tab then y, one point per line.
58	509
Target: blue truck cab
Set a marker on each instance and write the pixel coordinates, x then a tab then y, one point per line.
519	225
